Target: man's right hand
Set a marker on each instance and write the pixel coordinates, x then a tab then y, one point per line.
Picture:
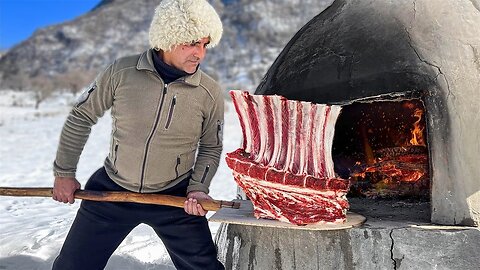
64	188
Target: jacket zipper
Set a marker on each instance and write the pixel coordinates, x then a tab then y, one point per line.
205	173
170	112
219	129
115	159
147	145
176	167
85	96
116	155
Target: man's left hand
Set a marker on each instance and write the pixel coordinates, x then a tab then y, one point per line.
192	207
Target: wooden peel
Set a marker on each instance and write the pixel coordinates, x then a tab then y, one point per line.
119	196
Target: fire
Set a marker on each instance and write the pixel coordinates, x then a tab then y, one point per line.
417	131
399	168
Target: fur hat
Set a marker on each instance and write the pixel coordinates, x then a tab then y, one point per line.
183	21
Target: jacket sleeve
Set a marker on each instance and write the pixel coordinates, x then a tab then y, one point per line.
210	147
91	105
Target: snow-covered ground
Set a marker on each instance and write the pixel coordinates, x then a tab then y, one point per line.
32	230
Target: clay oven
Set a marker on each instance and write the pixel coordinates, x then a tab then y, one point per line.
384	61
395	66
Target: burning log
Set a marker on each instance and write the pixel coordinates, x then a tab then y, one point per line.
397	171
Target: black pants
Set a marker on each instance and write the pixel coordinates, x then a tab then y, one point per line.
100	227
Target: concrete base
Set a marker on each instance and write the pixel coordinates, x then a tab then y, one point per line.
377	244
396	235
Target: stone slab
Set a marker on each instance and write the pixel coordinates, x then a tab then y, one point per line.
244	216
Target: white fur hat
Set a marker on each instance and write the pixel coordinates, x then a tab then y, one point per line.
183	21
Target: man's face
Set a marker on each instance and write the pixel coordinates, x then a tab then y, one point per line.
187	56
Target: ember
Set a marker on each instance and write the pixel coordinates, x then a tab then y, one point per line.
396	172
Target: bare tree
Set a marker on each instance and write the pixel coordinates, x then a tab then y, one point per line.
43	87
74	80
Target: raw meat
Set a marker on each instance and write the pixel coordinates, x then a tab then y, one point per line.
285	165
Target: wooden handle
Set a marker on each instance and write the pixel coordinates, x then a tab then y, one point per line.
30	192
120	196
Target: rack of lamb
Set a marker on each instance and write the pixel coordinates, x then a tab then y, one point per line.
285	164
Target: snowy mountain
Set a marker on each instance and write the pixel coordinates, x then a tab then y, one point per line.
255	31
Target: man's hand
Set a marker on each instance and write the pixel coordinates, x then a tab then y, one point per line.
64	188
192	207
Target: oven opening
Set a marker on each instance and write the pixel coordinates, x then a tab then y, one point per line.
381	146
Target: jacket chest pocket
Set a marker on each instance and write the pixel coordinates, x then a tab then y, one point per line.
170	112
182	118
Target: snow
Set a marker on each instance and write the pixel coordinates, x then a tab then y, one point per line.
32	230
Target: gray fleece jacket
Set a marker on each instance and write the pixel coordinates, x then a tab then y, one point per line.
161	134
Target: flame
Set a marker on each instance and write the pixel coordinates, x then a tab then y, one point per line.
417	131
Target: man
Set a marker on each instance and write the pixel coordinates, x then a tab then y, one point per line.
166	139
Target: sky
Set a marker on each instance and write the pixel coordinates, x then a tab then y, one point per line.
20	18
